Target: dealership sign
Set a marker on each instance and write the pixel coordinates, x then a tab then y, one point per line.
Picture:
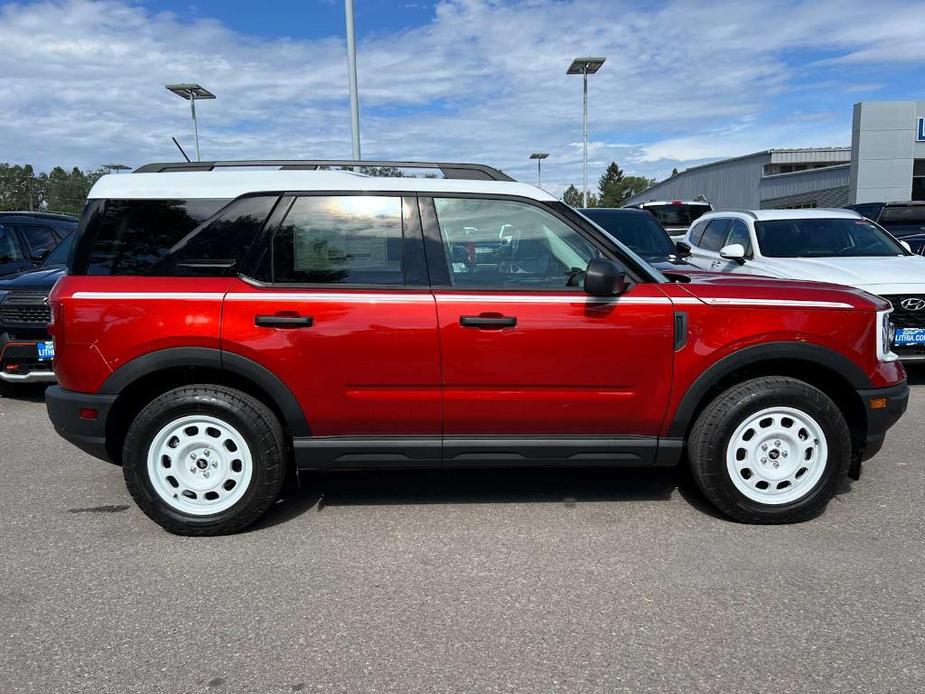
920	131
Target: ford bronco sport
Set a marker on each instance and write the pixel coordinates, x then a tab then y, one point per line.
217	328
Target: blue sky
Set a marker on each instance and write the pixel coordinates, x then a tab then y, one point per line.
685	81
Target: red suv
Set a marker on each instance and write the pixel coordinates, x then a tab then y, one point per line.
217	328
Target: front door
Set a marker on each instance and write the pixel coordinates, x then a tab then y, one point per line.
341	312
705	250
527	355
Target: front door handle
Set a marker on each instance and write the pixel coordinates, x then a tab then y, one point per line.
283	320
484	321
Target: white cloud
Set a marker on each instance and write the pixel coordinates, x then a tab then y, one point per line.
484	81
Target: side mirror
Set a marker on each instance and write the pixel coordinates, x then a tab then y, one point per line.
905	245
734	251
604	278
684	250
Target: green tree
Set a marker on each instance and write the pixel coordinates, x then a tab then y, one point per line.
616	187
20	188
57	191
572	198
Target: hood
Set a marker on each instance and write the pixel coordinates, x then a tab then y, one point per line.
880	275
721	287
41	278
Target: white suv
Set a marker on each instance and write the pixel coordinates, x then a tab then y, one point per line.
824	245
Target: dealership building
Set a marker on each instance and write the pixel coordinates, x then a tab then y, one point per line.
886	161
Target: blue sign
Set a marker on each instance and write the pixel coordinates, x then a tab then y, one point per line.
46	350
920	131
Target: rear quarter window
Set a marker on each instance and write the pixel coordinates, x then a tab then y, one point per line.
169	237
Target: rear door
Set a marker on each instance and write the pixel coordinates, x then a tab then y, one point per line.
532	366
337	306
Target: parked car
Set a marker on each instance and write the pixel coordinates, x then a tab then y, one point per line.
642	233
825	245
904	220
26	348
213	332
675	215
27	237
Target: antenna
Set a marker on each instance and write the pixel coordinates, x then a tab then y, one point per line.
180	148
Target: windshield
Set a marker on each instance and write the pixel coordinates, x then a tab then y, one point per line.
677	215
823	238
643	234
59	255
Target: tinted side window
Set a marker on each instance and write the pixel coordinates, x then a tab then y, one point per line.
9	245
738	233
714	235
127	237
697	232
344	239
507	244
218	247
38	237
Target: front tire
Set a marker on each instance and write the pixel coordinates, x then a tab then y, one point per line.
770	450
204	460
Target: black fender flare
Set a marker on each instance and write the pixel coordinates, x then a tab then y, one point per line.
178	357
756	354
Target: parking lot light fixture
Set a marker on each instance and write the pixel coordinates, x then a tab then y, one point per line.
539	156
192	92
585	67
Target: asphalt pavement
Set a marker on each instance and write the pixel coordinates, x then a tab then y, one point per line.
477	581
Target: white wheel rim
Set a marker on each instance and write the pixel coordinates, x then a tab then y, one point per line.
777	455
199	465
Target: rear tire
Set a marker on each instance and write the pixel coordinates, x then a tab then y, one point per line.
204	460
770	450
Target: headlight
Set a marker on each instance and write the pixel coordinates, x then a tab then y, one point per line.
885	333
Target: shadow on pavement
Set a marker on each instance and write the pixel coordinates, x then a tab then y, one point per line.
568	486
27	393
916	374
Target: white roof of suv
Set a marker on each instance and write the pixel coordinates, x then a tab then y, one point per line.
231	184
768	215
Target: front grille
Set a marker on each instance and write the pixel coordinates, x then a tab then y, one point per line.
25	308
903	317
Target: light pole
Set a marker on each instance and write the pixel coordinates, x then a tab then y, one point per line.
192	92
585	67
352	79
539	156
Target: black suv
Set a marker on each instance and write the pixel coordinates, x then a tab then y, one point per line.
642	232
26	349
904	220
26	238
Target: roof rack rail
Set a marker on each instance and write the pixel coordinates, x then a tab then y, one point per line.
478	172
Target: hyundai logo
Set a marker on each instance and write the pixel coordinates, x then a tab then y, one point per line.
913	304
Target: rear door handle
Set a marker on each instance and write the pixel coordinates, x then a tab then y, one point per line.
488	321
283	321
